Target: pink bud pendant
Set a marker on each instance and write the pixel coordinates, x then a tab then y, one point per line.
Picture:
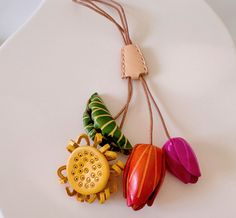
181	160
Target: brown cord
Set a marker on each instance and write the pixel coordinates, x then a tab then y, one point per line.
124	20
123	29
157	108
122	16
130	93
149	107
124	109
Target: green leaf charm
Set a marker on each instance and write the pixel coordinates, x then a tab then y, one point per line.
97	119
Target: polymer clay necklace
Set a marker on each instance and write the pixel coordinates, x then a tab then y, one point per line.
92	169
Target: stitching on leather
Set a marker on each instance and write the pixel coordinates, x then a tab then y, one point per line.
142	59
123	63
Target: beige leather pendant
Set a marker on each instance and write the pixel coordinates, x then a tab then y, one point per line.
132	62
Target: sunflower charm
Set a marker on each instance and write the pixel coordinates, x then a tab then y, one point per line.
89	172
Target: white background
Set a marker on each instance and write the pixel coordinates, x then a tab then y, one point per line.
49	68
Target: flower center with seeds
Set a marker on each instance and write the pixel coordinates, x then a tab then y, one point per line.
88	170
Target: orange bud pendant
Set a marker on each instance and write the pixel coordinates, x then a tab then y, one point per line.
143	175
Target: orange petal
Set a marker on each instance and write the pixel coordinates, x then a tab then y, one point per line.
145	169
161	179
126	171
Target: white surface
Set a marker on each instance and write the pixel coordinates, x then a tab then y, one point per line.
14	13
65	53
227	11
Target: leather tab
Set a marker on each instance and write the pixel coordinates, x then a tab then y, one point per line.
132	62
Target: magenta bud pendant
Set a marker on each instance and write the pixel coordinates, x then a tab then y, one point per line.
181	160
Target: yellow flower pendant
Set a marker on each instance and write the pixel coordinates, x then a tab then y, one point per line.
89	172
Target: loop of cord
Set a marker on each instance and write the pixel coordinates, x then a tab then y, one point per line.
123	28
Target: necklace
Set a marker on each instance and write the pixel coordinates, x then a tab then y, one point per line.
93	169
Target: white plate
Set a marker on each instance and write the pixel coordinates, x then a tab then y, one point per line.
65	53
